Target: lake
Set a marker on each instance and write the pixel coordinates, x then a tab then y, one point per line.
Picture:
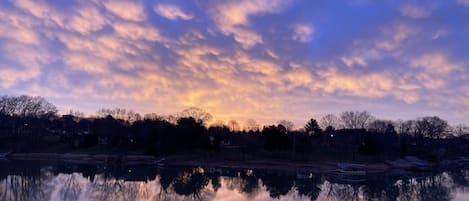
37	181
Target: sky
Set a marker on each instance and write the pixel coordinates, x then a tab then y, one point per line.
237	59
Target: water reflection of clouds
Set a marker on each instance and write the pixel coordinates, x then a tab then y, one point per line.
76	187
192	184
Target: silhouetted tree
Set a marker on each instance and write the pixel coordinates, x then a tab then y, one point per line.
251	125
218	123
329	120
216	134
110	131
276	137
26	106
152	116
120	113
312	127
460	130
234	126
77	114
191	134
329	130
431	127
355	119
31	123
153	136
287	124
407	127
198	114
381	126
368	146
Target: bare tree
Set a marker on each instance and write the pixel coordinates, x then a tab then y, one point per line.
355	119
251	125
233	125
103	112
197	113
406	127
218	123
76	113
26	106
381	126
119	113
432	127
152	116
461	129
329	120
287	124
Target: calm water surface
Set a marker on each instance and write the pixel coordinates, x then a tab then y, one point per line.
33	181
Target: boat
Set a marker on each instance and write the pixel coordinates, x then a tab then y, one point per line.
410	163
4	155
351	169
159	162
350	172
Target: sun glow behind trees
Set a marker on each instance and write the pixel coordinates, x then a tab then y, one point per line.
34	125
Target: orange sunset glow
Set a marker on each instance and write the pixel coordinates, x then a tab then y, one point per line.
266	60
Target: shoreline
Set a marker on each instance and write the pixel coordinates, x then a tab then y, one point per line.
85	158
190	160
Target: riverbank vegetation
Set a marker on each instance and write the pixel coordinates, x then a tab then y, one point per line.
32	124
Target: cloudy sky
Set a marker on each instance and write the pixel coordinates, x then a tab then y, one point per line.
261	59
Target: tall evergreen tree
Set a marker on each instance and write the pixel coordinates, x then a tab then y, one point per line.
312	127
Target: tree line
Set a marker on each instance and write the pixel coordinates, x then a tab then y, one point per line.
33	124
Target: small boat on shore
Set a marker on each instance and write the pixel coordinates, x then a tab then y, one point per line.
410	163
351	169
350	172
159	162
4	155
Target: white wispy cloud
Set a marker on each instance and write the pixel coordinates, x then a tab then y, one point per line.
87	20
171	12
303	33
232	58
354	60
415	11
127	9
135	31
463	2
232	18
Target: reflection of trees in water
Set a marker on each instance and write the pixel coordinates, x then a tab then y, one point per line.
277	185
24	188
245	182
434	188
215	181
431	188
71	189
194	184
111	189
336	192
459	177
189	183
407	189
309	187
380	188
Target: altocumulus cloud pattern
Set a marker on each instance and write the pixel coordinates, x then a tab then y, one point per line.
263	59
